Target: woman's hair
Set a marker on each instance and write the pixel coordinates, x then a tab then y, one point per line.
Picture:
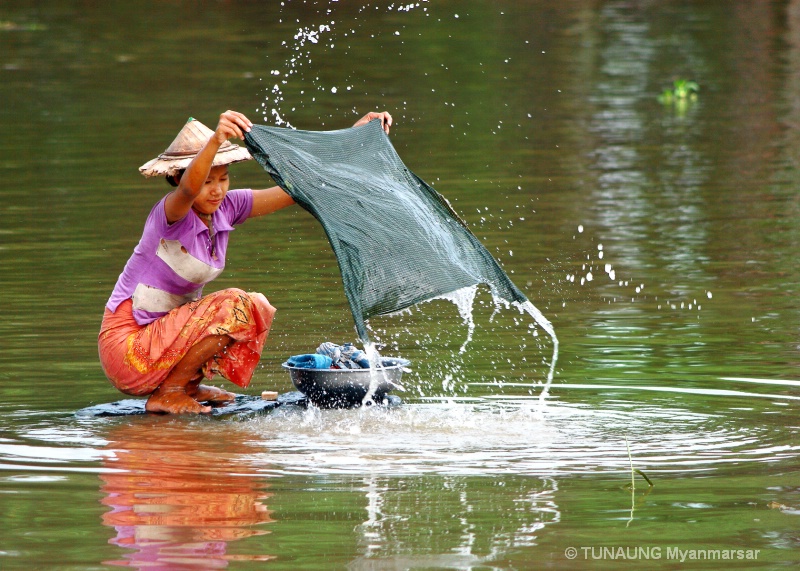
173	179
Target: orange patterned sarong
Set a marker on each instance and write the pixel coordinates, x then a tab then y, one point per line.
137	359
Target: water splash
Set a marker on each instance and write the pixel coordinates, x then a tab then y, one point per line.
545	324
300	56
375	373
304	41
464	300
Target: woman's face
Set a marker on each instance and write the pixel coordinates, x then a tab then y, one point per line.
214	190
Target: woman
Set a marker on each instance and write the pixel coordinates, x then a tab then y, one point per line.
159	336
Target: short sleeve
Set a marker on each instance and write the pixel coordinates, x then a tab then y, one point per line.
157	220
238	204
158	225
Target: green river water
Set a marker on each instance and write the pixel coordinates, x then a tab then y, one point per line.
660	239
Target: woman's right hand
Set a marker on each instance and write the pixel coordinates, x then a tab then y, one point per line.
231	124
179	202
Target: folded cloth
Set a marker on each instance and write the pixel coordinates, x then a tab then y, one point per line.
310	361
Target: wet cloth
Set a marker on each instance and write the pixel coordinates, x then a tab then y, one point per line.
310	361
346	356
172	262
397	241
136	358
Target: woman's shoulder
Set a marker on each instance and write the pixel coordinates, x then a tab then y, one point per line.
158	215
157	223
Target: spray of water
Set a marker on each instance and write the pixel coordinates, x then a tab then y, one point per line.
545	324
300	51
464	300
375	375
303	42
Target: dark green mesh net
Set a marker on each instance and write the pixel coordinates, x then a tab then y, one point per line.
398	241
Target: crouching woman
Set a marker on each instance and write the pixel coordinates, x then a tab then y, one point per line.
160	336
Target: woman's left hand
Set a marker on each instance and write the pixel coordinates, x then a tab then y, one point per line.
386	119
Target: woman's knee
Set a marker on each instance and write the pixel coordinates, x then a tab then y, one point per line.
233	292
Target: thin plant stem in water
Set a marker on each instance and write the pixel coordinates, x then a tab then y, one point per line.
630	459
635	470
633	481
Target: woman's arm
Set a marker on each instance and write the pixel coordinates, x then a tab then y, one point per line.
268	200
179	202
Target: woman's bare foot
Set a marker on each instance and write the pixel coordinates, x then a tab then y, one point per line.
174	402
205	393
181	391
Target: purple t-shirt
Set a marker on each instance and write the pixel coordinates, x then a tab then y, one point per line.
172	262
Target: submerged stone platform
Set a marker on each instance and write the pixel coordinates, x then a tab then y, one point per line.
244	405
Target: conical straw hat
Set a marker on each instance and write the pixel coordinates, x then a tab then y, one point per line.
190	141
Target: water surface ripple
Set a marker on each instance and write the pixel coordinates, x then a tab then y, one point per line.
457	436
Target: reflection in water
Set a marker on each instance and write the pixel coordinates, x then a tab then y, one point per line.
660	187
487	522
176	500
